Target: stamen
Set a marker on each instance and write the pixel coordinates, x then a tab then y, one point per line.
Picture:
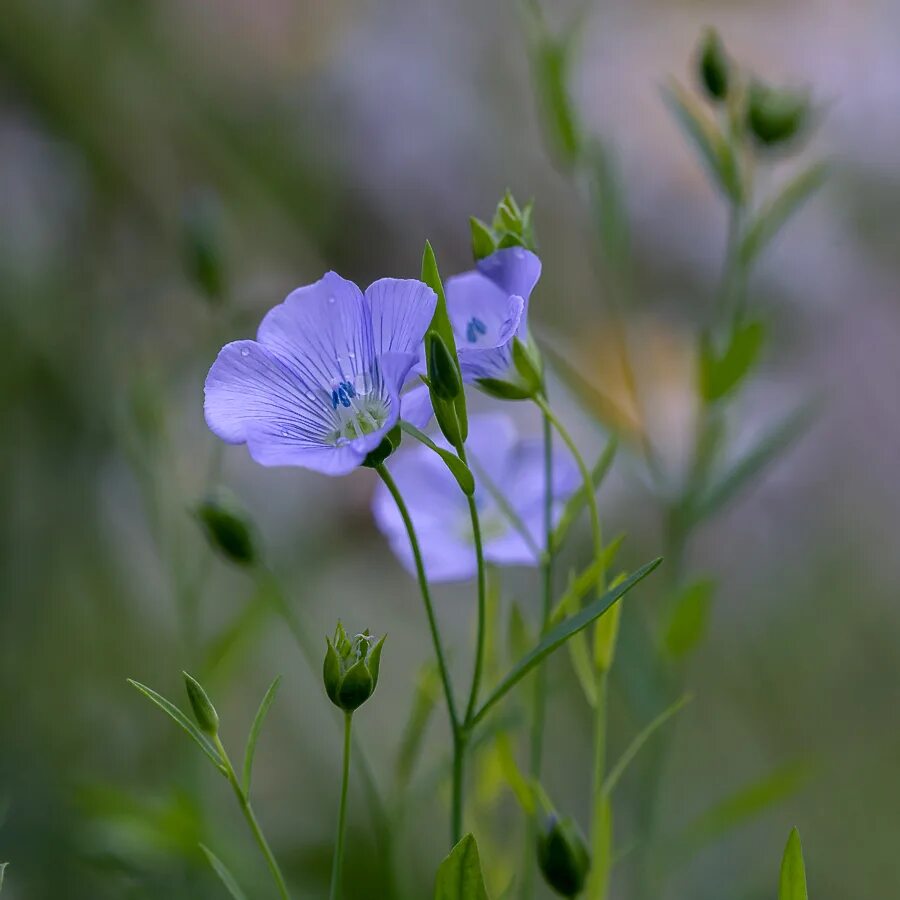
474	328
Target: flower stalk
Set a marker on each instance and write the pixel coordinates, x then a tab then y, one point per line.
338	859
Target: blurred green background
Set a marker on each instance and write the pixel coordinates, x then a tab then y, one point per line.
340	135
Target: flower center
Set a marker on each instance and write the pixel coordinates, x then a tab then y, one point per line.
356	414
474	328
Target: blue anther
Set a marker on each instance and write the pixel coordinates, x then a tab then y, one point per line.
474	328
334	399
342	396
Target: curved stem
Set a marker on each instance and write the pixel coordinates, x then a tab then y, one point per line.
459	737
338	860
482	604
250	816
588	485
540	683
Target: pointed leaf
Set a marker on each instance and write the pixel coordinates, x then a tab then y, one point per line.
171	710
581	585
641	738
689	619
226	877
459	876
703	132
721	373
774	214
483	243
577	502
793	871
255	730
458	469
560	634
752	463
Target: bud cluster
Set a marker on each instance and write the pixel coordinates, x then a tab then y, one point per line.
512	226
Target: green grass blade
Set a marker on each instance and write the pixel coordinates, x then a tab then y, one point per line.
793	872
253	736
226	877
171	710
459	876
558	635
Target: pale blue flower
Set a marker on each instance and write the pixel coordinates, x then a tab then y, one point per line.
512	466
320	386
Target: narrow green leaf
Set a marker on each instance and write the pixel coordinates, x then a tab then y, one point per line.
500	389
689	618
520	637
560	634
517	782
720	374
226	877
457	467
793	871
741	807
253	736
551	61
459	876
426	694
777	211
641	738
582	584
704	133
752	463
182	720
577	502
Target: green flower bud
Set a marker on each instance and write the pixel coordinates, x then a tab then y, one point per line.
443	369
776	115
204	712
713	65
228	527
513	226
350	670
483	241
563	855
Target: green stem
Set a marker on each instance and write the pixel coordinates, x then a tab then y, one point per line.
455	724
540	683
249	815
482	605
588	485
598	883
338	860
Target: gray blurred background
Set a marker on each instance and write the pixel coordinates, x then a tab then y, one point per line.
340	135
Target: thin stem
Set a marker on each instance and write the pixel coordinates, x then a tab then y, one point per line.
599	878
540	683
456	727
588	485
338	860
482	604
249	815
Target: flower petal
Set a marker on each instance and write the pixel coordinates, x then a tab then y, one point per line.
415	406
483	315
248	384
324	333
274	447
514	270
401	310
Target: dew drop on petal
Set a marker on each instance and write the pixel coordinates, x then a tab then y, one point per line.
351	355
331	300
245	351
310	395
520	253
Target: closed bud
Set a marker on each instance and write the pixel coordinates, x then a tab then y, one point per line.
776	115
483	241
513	226
350	669
228	527
563	855
204	712
714	67
443	370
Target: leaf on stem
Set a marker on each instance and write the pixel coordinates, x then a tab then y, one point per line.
460	471
171	710
752	463
255	730
721	373
641	738
580	586
689	618
459	876
558	635
578	500
777	211
793	872
741	807
700	127
225	876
